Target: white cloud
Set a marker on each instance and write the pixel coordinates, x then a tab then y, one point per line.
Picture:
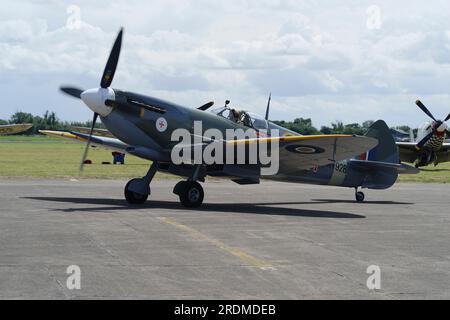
317	58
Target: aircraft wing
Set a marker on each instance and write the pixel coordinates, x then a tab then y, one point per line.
304	152
445	146
110	143
407	151
406	145
96	132
444	154
14	128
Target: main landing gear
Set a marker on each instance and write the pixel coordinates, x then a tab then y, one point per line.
359	196
190	192
138	190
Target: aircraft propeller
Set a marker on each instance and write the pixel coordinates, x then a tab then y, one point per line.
425	109
437	123
96	98
448	118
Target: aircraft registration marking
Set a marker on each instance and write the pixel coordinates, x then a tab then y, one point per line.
339	173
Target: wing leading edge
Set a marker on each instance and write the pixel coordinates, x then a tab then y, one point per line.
111	143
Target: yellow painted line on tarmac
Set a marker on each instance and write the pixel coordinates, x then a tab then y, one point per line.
245	257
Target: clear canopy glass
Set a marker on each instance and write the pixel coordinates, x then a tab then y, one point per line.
255	121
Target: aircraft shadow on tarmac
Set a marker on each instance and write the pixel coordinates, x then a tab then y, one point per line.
268	208
364	203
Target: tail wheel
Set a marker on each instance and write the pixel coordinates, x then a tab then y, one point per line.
191	193
133	197
359	196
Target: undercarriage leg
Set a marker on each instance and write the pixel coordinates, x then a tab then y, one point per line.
138	190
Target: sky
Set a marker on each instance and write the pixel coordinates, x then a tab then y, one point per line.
350	60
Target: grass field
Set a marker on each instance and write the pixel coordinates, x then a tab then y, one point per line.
430	174
57	158
18	138
50	157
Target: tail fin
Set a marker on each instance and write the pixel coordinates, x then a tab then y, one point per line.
387	150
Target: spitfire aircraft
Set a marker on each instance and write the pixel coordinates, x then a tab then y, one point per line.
14	128
430	146
143	126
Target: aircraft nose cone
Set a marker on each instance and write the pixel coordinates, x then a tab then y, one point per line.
95	100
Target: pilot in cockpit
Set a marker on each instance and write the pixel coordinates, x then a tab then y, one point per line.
234	115
238	116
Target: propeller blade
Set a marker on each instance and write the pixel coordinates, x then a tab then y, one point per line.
425	140
83	159
72	91
206	106
111	65
448	118
425	109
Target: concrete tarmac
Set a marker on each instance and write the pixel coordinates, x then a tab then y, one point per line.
269	241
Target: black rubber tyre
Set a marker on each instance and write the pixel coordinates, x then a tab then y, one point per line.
132	197
359	196
191	194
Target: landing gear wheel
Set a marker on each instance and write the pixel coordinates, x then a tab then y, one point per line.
359	196
190	192
133	197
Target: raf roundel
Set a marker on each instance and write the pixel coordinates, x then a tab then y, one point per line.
161	124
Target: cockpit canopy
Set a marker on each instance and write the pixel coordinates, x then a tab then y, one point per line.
248	119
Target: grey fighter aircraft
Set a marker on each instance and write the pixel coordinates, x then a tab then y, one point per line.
429	146
143	126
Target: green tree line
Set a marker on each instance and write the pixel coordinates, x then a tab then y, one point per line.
48	121
305	126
